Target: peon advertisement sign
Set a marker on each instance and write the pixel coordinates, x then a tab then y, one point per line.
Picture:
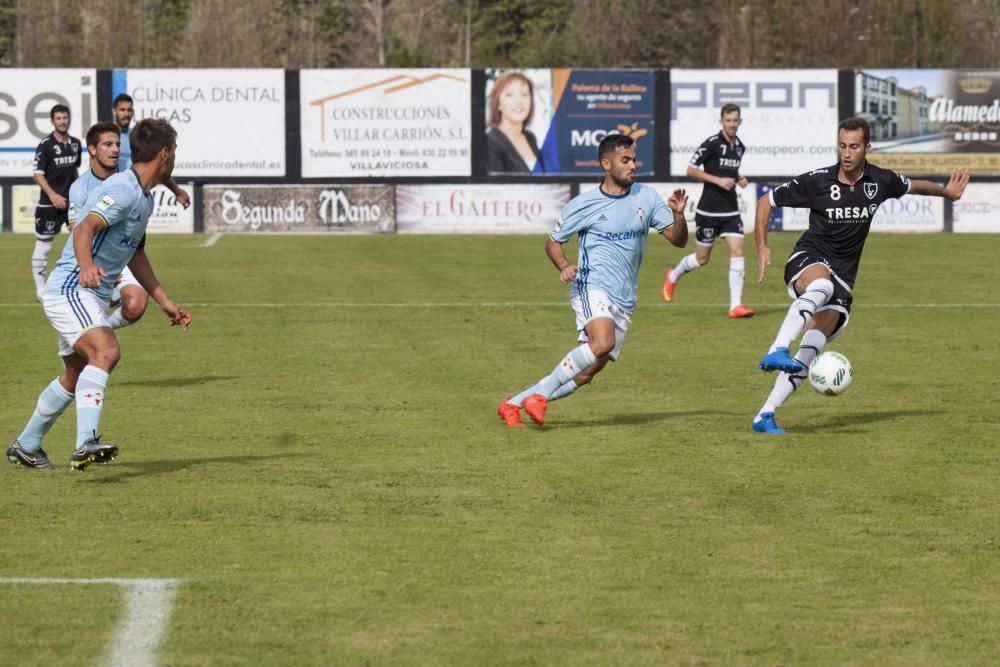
229	122
299	208
542	121
789	117
930	121
479	209
26	98
385	122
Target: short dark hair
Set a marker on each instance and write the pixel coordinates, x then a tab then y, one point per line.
121	97
59	108
729	108
612	143
856	123
149	137
97	129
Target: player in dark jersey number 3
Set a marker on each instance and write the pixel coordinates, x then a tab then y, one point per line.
823	266
55	168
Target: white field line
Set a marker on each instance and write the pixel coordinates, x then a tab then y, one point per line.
210	241
520	304
147	614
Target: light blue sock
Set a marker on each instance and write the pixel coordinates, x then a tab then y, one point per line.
89	402
51	403
564	391
578	360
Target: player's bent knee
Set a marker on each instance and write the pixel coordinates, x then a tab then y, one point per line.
134	302
823	286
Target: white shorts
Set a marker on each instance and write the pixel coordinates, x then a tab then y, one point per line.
595	304
73	315
126	278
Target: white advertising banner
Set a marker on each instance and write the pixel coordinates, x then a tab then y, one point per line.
26	98
169	217
789	117
910	213
978	210
385	122
479	209
229	122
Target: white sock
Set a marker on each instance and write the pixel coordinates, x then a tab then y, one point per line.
818	293
785	384
578	360
686	265
39	263
737	271
116	320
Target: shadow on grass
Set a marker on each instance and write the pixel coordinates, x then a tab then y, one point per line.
117	472
849	422
634	418
177	382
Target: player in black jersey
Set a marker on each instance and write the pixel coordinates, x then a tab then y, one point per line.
823	266
57	159
718	212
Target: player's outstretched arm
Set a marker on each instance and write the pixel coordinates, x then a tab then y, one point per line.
953	190
567	271
760	235
143	272
677	233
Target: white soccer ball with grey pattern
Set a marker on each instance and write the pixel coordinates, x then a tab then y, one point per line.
830	373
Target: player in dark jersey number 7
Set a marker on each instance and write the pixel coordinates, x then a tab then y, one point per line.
823	266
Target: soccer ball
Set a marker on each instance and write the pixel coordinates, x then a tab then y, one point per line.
830	373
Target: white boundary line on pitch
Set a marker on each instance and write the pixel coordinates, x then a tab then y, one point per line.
147	613
521	304
210	241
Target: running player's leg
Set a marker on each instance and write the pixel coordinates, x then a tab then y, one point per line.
46	227
705	232
737	275
825	325
814	288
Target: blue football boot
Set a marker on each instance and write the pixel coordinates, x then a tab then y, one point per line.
781	360
766	424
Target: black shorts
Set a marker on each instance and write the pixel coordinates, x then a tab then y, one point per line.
49	220
842	299
708	227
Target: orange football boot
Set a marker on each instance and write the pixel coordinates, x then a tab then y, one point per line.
535	406
740	311
510	413
668	287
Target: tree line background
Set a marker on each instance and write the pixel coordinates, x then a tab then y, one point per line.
295	34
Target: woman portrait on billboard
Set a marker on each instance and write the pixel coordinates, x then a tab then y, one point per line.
511	146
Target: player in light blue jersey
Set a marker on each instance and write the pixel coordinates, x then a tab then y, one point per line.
611	222
104	145
124	110
109	235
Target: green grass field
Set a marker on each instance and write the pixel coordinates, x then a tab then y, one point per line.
319	463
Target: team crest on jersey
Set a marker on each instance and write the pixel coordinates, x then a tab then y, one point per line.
641	213
105	202
871	189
